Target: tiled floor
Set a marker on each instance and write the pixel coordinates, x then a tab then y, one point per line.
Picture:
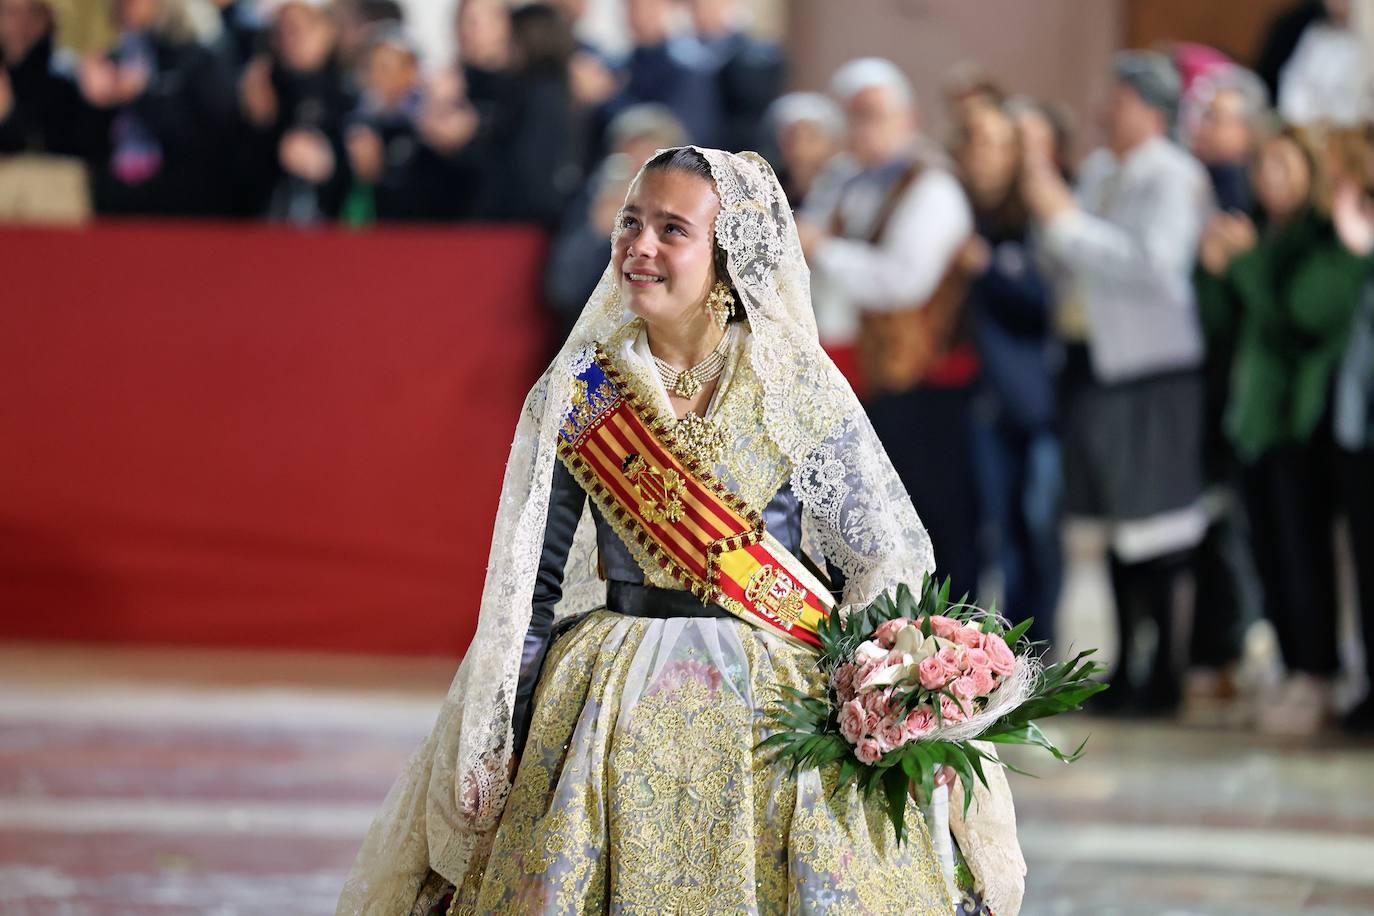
159	782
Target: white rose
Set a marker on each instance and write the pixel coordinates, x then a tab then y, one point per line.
869	651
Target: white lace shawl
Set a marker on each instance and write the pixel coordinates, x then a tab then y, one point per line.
443	809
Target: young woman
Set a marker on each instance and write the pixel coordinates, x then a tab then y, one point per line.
605	762
1285	288
1009	302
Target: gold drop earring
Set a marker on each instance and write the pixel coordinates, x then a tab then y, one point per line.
720	304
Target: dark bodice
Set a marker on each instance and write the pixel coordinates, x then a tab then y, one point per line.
782	516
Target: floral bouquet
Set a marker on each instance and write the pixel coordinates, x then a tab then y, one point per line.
912	682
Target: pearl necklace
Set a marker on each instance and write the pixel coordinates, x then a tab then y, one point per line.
685	383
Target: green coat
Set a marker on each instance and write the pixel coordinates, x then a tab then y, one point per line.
1283	309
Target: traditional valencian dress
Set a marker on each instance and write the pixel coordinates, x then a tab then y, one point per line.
668	582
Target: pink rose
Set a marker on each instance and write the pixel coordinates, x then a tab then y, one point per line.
876	703
977	658
951	710
886	633
866	669
967	636
853	721
890	734
942	626
964	687
843	679
951	659
868	751
919	721
932	673
1000	657
983	681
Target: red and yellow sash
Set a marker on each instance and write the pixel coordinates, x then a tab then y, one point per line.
680	514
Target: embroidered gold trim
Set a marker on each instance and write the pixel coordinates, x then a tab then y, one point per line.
624	524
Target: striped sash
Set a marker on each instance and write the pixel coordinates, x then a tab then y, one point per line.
672	506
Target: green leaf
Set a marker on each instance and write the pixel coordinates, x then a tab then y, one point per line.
959	760
1013	636
911	763
869	780
975	761
906	602
927	756
777	739
895	785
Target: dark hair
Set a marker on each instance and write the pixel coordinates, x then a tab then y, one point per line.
381	11
688	160
1008	217
542	39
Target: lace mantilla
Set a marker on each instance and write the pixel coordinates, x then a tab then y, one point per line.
801	417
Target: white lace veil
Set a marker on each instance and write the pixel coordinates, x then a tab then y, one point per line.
856	515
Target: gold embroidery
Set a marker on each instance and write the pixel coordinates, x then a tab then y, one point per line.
702	437
586	405
775	594
647	796
660	490
750	465
841	855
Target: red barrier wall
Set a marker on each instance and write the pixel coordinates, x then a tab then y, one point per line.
248	436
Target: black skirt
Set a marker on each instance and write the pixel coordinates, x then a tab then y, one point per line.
1132	449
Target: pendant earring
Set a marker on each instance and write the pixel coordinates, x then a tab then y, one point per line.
721	303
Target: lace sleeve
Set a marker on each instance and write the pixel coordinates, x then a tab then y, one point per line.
566	500
987	838
858	514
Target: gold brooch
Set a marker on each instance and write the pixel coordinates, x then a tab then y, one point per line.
701	437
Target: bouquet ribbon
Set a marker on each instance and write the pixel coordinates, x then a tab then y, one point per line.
664	499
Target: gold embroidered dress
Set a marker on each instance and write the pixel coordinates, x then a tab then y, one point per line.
639	790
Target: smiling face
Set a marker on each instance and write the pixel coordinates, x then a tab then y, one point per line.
665	256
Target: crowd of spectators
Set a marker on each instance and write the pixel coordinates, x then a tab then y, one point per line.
1169	341
1172	338
305	111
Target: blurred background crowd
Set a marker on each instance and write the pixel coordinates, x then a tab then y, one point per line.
310	111
1171	339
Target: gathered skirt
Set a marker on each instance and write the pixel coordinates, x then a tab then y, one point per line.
640	791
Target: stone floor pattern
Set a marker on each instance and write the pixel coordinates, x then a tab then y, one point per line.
152	782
